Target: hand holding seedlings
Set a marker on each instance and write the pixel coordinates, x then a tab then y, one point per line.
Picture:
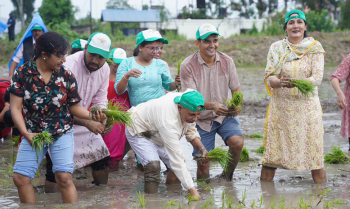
39	141
305	87
99	116
203	153
234	105
29	137
285	83
219	109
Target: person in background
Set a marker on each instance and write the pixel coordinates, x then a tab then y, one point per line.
26	49
213	74
293	129
116	140
78	45
342	73
11	29
48	95
155	133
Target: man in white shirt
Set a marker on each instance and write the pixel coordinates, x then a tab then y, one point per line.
155	134
26	49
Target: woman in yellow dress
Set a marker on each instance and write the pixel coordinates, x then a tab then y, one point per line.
293	127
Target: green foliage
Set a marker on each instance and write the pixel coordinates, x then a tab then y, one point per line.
319	21
275	25
345	15
172	35
336	156
236	100
221	156
56	12
244	155
260	150
118	4
15	139
253	31
305	87
191	198
39	140
28	9
64	29
142	200
256	136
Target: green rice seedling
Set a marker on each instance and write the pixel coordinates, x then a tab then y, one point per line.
240	206
260	150
256	136
38	142
336	156
191	198
253	204
205	205
115	114
302	204
170	203
229	202
179	205
272	204
261	201
205	186
15	140
177	84
244	155
236	101
109	62
305	87
219	155
142	200
244	195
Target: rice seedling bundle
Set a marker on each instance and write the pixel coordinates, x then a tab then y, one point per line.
109	62
236	100
223	157
38	142
256	136
115	114
244	155
305	87
178	86
260	150
336	156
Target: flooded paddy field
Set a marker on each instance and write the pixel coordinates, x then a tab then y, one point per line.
289	189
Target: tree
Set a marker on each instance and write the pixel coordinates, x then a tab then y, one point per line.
28	9
118	4
145	7
56	12
345	15
244	7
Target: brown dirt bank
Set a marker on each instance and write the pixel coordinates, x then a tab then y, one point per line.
259	106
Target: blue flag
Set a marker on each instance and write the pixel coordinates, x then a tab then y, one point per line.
3	27
36	20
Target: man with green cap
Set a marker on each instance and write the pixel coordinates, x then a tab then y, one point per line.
213	73
78	45
91	72
158	125
26	49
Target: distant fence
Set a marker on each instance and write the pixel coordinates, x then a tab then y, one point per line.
188	27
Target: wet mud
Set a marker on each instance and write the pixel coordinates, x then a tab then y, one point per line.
288	188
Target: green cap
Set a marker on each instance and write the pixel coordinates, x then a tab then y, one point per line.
36	27
149	35
300	15
79	44
206	30
99	43
118	55
191	100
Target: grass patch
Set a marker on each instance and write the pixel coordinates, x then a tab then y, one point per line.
336	156
305	87
260	150
39	140
244	155
256	136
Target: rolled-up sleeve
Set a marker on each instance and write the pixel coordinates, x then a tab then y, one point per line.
176	156
192	132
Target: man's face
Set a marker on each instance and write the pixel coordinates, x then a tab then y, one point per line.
93	62
209	46
187	115
37	33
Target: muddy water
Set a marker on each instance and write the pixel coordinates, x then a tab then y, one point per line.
124	183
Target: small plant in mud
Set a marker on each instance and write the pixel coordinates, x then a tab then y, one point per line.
223	157
244	155
256	136
191	198
205	186
142	199
260	150
336	156
170	204
244	196
261	201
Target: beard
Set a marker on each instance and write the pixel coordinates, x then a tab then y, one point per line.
87	65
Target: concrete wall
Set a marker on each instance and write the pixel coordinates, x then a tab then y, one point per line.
188	27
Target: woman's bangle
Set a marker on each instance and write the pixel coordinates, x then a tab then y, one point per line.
200	150
125	77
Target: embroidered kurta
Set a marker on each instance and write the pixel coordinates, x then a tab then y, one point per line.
342	73
294	135
92	87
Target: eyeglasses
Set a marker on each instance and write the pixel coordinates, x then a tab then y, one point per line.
156	49
60	56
